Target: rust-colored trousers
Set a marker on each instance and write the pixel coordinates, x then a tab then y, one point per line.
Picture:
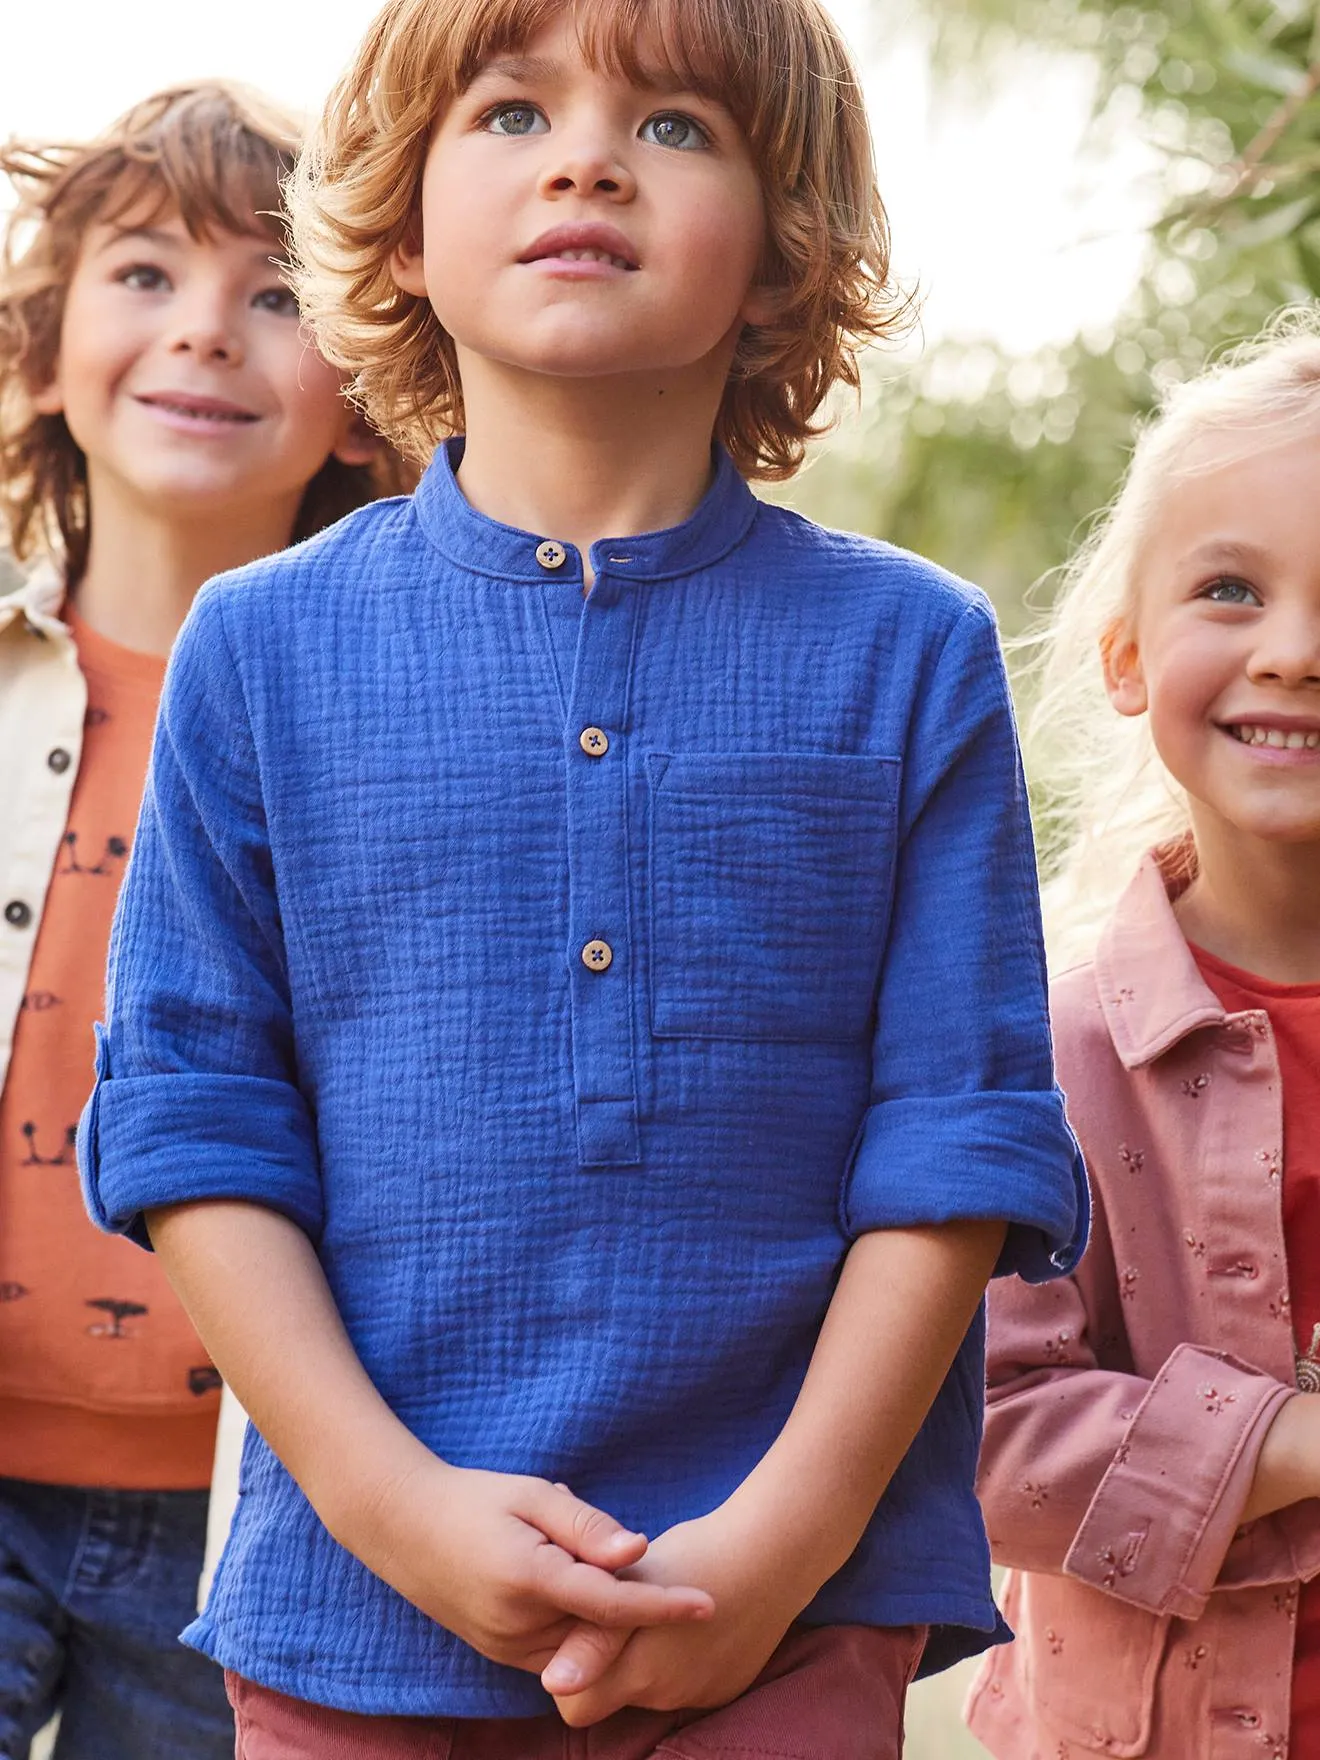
827	1693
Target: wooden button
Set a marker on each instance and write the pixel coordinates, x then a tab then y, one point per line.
594	742
598	956
551	555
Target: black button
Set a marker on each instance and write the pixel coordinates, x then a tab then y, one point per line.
59	760
18	914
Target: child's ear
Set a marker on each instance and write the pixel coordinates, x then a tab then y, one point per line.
358	442
408	263
49	401
1124	679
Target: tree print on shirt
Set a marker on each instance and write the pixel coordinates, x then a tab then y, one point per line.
13	1292
118	1312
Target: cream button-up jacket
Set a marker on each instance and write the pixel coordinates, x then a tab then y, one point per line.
1128	1402
43	702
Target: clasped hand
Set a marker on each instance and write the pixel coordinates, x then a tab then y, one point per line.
513	1565
599	1668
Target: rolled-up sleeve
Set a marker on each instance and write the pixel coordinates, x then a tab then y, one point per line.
1164	1540
196	1095
965	1120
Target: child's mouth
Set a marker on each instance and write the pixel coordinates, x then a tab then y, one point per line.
587	257
584	242
203	410
1279	739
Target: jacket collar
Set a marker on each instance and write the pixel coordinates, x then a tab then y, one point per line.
484	546
1151	991
37	600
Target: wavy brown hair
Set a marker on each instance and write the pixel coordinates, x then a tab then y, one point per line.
216	155
781	69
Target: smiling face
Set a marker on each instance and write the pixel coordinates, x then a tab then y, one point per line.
183	378
1223	649
576	225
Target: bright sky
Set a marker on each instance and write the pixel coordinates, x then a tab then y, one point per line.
1010	232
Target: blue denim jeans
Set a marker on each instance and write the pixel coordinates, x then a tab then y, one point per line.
95	1587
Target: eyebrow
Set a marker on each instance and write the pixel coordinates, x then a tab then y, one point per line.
262	254
1228	552
525	69
539	70
148	234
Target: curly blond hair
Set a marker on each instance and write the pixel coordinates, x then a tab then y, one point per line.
781	69
1106	795
214	153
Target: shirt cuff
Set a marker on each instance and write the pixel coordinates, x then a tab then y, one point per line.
146	1141
983	1156
1164	1516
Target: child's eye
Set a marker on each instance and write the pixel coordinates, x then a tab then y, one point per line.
672	129
515	120
1229	590
280	300
143	277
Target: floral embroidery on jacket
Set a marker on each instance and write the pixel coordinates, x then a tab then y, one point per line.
1215	1401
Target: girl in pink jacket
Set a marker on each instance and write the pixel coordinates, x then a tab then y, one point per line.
1151	1472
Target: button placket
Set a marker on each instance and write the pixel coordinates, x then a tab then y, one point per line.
604	1057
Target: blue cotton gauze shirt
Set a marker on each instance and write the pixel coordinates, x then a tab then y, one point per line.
583	976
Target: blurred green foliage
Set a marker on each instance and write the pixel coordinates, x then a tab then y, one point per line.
994	464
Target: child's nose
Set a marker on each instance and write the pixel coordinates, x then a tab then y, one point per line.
208	331
588	167
1288	649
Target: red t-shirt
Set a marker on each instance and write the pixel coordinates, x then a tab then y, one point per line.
1294	1011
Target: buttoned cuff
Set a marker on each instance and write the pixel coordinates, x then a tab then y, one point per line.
1163	1518
962	1157
147	1141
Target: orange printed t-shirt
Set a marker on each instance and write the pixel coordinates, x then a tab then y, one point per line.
102	1379
1294	1011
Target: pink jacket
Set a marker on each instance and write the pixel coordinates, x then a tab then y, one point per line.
1129	1402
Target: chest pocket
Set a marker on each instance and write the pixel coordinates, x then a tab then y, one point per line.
770	882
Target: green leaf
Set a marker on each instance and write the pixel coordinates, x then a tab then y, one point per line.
1268	73
1278	222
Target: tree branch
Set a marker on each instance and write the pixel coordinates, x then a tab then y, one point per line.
1252	165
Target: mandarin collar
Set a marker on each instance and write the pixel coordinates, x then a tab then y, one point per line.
1151	989
486	547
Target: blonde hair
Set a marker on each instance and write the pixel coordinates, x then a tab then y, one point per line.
1107	796
215	153
779	66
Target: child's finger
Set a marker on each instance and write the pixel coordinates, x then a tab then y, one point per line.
584	1657
601	1599
583	1530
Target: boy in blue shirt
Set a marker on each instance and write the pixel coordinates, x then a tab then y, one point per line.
576	1033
